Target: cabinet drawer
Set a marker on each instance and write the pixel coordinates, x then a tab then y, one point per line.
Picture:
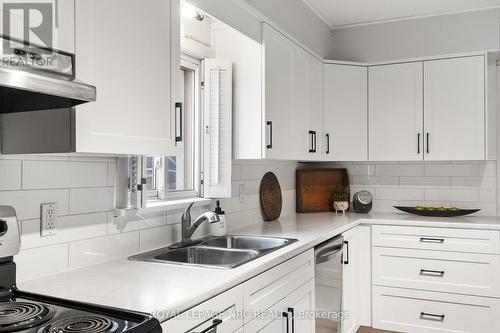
454	272
444	239
227	307
268	288
413	311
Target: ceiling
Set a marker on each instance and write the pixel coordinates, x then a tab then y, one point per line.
341	13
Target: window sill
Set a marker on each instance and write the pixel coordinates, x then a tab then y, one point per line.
161	206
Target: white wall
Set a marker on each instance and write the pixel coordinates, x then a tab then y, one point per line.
293	16
84	190
446	34
296	18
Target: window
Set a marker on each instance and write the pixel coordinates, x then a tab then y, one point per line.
200	165
178	175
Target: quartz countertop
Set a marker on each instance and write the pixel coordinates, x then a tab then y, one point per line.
165	290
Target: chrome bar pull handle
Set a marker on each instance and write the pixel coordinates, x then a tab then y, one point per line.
431	316
428	272
431	240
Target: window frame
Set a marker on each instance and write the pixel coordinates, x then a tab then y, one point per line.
194	65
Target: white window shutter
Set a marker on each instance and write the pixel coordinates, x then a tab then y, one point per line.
217	113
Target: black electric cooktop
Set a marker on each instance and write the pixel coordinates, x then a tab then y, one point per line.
29	313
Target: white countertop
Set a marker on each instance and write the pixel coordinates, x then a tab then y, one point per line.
164	290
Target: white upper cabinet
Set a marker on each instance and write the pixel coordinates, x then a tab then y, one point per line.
292	99
278	86
396	112
124	49
315	147
454	109
285	101
345	114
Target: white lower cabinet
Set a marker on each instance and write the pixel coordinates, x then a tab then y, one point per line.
280	300
469	273
435	280
414	311
222	313
350	282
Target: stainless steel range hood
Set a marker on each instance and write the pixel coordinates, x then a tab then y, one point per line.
36	78
38	91
24	91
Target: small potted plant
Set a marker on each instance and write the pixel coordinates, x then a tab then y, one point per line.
340	198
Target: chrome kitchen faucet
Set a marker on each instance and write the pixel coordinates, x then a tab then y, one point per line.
189	228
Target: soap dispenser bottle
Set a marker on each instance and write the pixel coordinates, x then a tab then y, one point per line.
219	228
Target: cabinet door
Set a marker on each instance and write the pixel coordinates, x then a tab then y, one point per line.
291	314
130	66
350	283
454	104
315	146
395	112
301	305
284	94
345	113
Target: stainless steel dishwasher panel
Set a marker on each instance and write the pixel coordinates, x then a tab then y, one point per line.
328	278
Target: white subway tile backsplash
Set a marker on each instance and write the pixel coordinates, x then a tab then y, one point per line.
452	169
461	184
97	250
250	202
27	203
399	170
236	172
399	193
487	169
488	195
10	175
475	182
361	170
69	228
112	174
60	174
34	263
89	200
385	206
374	180
138	222
425	181
460	195
151	239
84	189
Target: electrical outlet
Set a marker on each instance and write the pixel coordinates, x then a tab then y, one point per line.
48	219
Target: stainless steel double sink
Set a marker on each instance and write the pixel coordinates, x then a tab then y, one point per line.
217	252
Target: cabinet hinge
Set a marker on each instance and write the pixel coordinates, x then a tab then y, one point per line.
202	84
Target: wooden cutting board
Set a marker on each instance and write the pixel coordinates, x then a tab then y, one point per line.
271	200
315	187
